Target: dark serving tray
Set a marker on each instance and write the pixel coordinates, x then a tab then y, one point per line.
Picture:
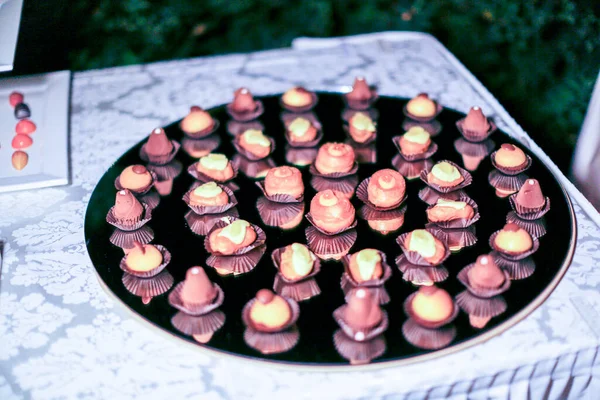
316	325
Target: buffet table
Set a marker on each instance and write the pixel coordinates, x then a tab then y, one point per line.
62	337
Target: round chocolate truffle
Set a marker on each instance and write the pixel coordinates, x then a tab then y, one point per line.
197	120
530	195
422	106
334	158
361	127
197	288
297	261
366	265
270	310
127	208
284	180
386	188
415	141
363	311
255	142
216	166
513	239
445	174
331	212
510	156
229	239
135	177
208	194
432	304
360	90
158	143
485	274
143	257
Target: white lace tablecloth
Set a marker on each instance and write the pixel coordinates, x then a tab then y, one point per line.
61	337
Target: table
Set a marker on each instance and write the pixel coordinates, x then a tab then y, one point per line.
62	337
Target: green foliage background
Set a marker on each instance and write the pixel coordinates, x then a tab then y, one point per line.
539	57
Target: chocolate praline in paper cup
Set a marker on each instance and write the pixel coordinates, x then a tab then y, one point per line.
271	341
202	210
300	289
513	256
201	177
237	264
361	105
438	110
201	327
197	148
536	227
203	133
362	192
137	192
249	155
261	238
511	170
166	259
330	247
129	225
147	288
427	324
245	116
355	144
459	222
467	179
202	224
410	169
420	275
176	301
517	270
506	185
528	213
430	151
475	136
360	335
415	258
159	159
358	353
342	186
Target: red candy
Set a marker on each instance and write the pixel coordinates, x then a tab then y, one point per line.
15	98
25	126
22	141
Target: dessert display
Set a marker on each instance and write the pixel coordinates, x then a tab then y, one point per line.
198	123
332	219
361	129
270	321
244	107
254	145
421	108
475	127
362	324
283	202
529	207
367	269
422	257
235	246
485	283
445	179
197	300
510	163
318	246
362	96
298	99
430	313
297	267
302	132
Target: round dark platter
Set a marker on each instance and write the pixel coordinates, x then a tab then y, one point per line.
316	324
